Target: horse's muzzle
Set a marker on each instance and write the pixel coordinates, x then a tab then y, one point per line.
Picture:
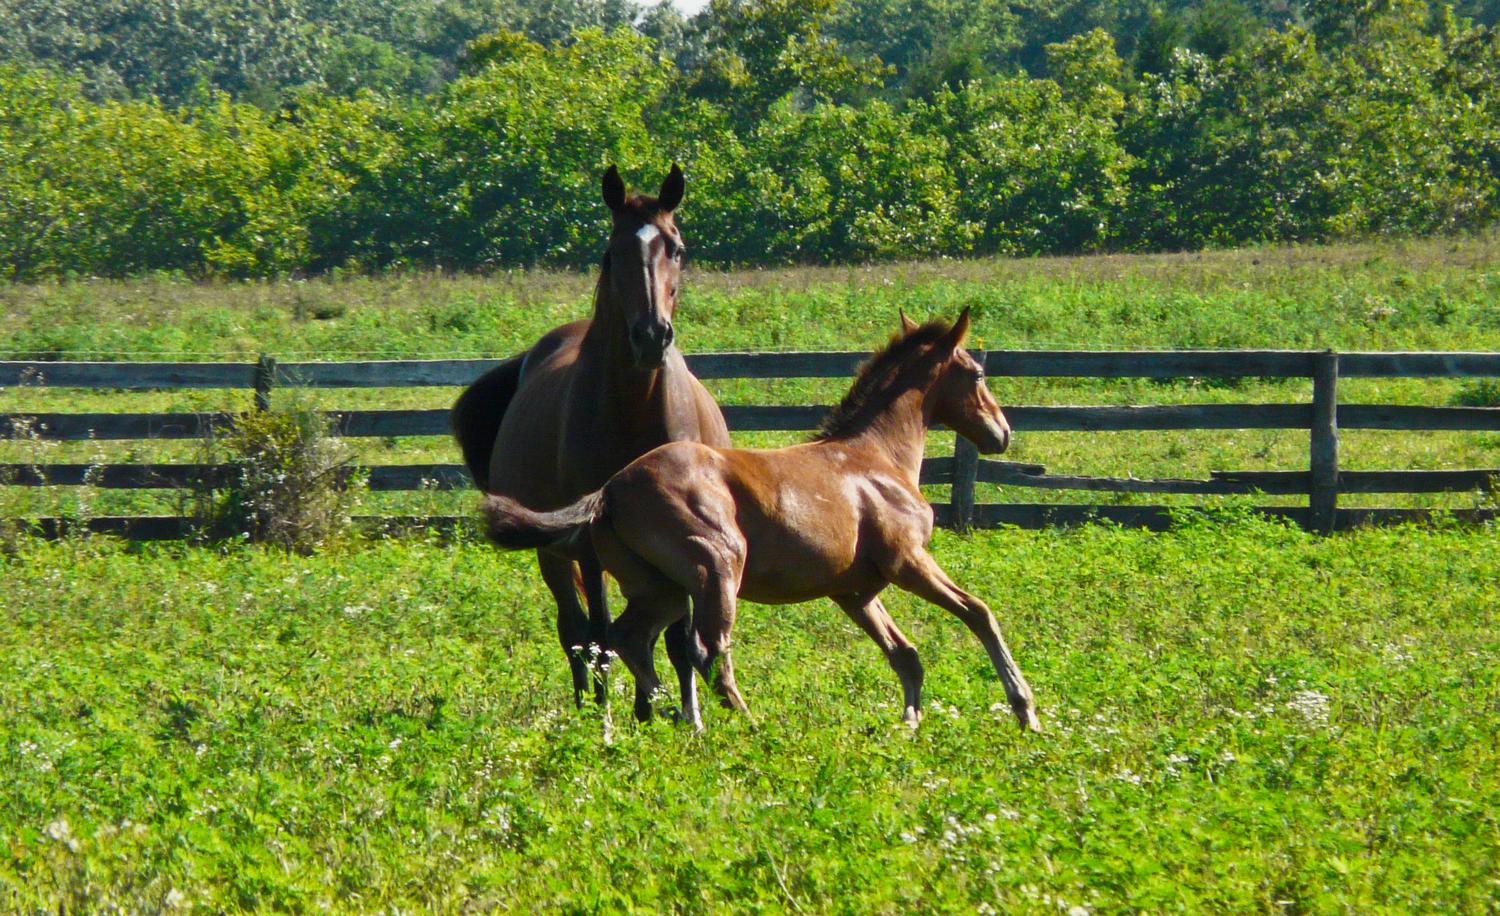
649	341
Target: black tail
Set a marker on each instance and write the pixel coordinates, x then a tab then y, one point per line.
513	526
477	413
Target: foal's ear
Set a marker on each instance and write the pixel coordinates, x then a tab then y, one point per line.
960	330
672	187
907	325
614	189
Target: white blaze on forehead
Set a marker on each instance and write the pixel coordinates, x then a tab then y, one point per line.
646	233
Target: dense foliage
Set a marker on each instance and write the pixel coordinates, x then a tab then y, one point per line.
305	135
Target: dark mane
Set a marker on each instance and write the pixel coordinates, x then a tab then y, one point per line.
879	380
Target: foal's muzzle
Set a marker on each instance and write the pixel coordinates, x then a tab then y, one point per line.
996	438
649	340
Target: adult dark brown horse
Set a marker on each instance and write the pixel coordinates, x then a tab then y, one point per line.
841	517
555	422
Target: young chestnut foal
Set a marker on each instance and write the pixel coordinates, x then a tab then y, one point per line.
840	516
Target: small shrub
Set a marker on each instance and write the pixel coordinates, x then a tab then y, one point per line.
1482	393
287	481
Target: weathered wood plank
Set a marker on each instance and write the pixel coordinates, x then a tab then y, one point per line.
1046	515
391	477
76	426
1419	365
936	470
358	423
1150	363
126	376
1405	417
1130	484
109	476
811	364
383	373
1159	417
792	417
130	527
1456	481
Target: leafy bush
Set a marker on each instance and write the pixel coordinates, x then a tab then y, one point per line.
1373	120
289	482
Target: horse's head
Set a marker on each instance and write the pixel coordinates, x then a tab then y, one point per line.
642	261
959	397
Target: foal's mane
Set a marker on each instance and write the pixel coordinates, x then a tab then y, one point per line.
880	379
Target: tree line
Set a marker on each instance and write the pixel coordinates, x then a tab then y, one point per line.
215	138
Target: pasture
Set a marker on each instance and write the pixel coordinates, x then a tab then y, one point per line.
1237	715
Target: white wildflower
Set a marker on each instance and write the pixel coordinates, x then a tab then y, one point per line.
1311	705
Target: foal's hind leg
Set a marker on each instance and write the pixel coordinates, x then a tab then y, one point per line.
572	623
680	651
919	573
633	637
873	618
713	622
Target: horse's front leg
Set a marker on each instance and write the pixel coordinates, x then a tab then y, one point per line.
592	576
919	573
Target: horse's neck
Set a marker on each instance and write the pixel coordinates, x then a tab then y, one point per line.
625	392
899	432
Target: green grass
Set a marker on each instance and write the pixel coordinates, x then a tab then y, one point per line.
1237	716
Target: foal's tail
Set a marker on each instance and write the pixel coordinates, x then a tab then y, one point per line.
512	526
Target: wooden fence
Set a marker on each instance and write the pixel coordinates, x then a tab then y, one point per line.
1322	416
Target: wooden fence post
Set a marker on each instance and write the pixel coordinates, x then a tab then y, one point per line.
265	379
1323	490
965	474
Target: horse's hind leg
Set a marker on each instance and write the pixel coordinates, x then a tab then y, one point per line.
592	577
920	574
572	622
876	621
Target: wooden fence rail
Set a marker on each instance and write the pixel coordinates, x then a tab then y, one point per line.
1323	416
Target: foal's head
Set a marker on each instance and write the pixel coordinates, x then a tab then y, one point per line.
958	396
642	262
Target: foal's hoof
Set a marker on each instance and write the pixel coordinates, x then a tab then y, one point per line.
1027	718
912	717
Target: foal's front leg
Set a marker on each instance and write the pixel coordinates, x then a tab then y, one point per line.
919	573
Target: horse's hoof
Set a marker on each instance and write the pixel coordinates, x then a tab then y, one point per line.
911	718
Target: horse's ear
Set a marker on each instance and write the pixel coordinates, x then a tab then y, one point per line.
960	329
672	188
907	325
614	189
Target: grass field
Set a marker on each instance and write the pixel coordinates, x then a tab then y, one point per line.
1237	716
